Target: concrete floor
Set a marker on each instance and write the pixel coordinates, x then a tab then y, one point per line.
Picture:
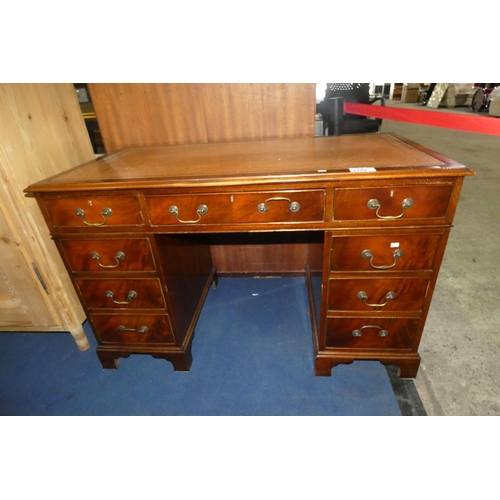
460	347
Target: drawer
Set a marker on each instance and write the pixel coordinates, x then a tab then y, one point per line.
379	253
391	203
371	333
121	293
131	254
133	329
101	211
240	208
388	294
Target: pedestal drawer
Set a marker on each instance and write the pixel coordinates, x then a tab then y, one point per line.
388	294
241	208
131	254
133	329
371	333
389	252
94	212
121	293
393	202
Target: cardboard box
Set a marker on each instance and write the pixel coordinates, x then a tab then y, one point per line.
410	92
458	94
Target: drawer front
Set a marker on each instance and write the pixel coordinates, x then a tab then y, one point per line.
381	253
109	255
121	293
392	294
240	208
102	211
133	329
371	333
392	203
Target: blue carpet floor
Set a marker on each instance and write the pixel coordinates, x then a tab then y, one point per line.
252	355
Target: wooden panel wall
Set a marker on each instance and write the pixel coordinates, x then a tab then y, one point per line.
132	114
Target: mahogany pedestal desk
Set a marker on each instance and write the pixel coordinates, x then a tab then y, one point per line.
144	233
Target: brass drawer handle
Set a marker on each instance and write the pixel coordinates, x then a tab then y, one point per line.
106	212
293	206
130	296
375	205
359	333
119	256
201	210
142	329
364	297
367	254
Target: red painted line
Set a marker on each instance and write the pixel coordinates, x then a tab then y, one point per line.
479	124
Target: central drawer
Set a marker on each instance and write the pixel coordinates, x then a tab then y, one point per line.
238	207
121	293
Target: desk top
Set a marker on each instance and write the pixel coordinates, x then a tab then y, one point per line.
286	160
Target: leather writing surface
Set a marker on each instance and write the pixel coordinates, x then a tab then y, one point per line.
230	163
